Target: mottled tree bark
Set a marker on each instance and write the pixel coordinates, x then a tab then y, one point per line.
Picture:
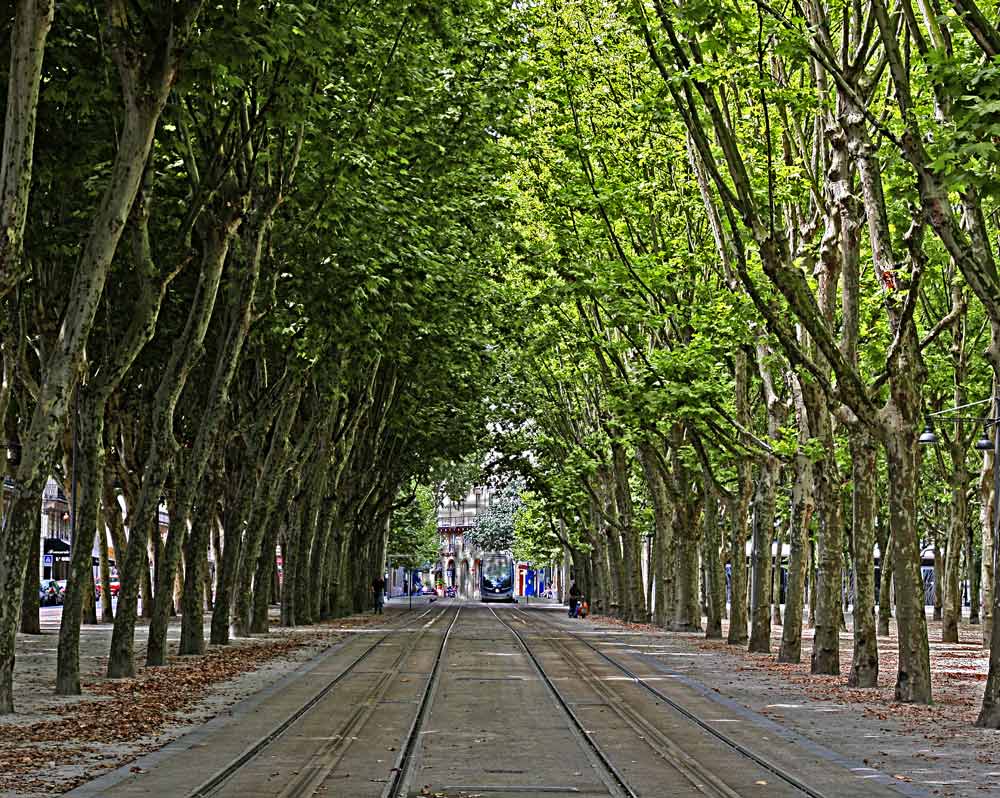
107	612
262	509
146	83
662	516
798	536
913	680
715	586
986	523
825	657
957	523
32	22
30	621
864	664
635	606
739	506
89	468
763	525
972	566
192	639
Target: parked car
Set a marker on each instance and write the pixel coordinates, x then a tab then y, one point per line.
115	587
427	590
50	593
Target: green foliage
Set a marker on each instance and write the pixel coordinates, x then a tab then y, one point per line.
413	535
534	538
494	529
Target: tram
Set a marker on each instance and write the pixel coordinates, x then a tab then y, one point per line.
496	579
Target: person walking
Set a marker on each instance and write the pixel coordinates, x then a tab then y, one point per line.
378	588
574	599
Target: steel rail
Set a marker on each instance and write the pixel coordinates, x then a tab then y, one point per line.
619	784
402	769
777	770
311	774
214	782
698	775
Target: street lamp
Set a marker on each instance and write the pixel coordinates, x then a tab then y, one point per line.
927	437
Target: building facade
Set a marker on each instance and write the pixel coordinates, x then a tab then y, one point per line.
458	565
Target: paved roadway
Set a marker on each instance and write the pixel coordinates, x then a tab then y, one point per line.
463	699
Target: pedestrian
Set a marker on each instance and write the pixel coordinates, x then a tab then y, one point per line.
378	588
574	599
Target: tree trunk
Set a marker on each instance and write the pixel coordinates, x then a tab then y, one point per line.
107	611
192	602
661	564
829	569
89	599
939	556
601	594
760	588
290	554
225	580
144	529
989	715
89	468
320	598
952	587
32	22
212	575
30	621
776	574
913	681
973	567
264	583
163	597
864	664
798	537
738	555
635	605
148	572
715	585
260	520
687	610
986	522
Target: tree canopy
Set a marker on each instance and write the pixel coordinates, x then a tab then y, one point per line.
693	276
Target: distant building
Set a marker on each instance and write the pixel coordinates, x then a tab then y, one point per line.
459	563
56	532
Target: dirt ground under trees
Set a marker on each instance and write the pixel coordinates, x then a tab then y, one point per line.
54	743
929	750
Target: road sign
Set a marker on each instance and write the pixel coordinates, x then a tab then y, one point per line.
47	560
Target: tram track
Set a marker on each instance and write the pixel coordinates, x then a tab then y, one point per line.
656	739
613	778
404	767
325	760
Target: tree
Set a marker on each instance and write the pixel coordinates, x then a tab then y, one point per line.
494	529
413	533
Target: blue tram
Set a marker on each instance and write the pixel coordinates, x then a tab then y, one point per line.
496	577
